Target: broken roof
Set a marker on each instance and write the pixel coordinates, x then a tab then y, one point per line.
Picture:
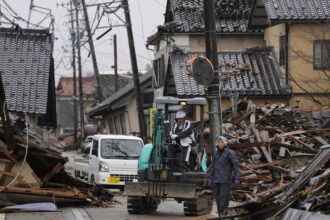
297	10
231	16
254	72
27	70
235	16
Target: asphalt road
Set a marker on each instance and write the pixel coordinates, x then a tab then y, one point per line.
170	209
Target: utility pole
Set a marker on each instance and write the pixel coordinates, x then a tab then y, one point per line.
81	95
30	12
115	66
138	95
73	37
92	50
213	89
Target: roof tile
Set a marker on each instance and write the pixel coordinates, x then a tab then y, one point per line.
297	10
253	72
231	16
25	62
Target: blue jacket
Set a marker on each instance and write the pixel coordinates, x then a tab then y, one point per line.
223	163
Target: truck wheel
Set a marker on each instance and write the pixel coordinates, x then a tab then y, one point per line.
140	205
93	181
77	174
201	206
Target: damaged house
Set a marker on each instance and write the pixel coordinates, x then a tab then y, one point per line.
31	165
27	70
252	49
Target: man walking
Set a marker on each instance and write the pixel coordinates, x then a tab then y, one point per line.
223	163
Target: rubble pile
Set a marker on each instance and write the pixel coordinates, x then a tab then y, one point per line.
284	158
38	175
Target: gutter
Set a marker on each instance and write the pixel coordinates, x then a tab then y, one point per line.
287	59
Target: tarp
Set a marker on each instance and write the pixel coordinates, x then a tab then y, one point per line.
45	206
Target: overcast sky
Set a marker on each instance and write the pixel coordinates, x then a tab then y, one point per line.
146	15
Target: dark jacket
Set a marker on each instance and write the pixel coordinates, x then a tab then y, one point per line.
224	162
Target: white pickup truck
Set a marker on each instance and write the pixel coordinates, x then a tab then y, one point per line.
111	161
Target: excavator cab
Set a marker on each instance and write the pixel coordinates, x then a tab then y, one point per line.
157	180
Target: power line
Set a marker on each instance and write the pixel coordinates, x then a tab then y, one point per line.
142	27
158	2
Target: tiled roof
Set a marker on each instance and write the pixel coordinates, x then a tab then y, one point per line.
65	85
25	65
254	72
297	10
231	16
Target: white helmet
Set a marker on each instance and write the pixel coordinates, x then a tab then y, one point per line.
180	114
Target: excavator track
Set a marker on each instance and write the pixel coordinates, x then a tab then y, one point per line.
201	206
140	205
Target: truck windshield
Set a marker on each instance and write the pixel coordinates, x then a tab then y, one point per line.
120	148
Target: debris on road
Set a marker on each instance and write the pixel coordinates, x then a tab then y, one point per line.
284	158
39	176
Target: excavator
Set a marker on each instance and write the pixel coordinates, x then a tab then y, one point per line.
157	181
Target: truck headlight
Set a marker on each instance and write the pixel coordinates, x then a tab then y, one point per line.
103	167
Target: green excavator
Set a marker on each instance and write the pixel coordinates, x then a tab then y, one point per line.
157	181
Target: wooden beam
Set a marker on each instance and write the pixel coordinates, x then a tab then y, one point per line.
280	169
54	171
11	157
266	114
5	118
303	132
45	192
263	148
8	168
41	154
253	170
36	146
244	116
5	160
7	173
302	143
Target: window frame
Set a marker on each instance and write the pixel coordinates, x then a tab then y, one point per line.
111	126
122	123
95	146
117	124
321	67
157	71
282	51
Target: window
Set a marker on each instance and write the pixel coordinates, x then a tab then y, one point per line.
321	54
120	148
95	147
117	125
111	126
162	71
283	50
122	123
156	68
